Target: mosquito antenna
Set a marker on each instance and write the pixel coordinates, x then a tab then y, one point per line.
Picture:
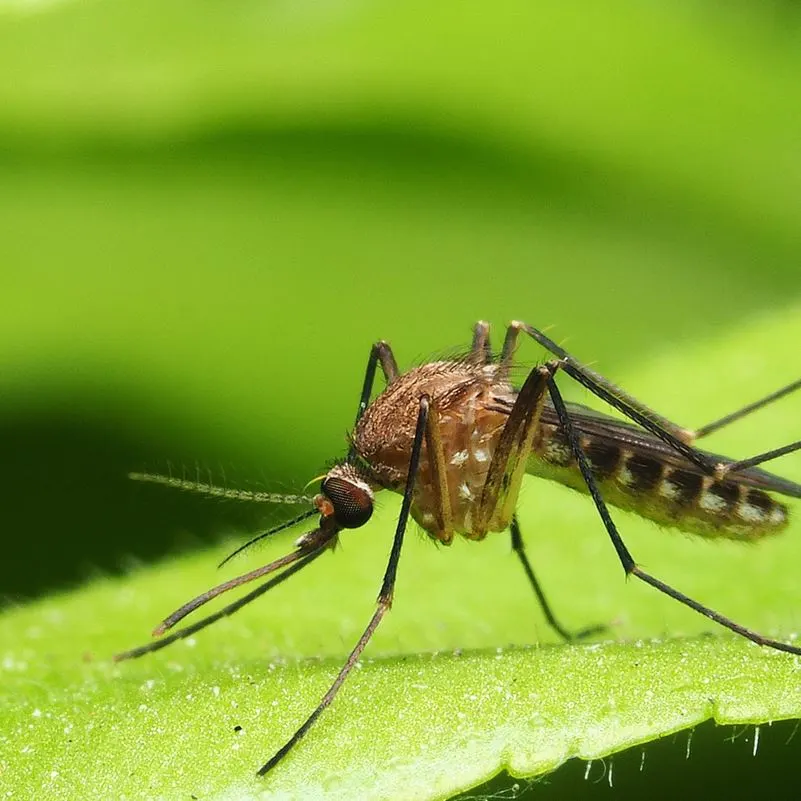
224	612
213	490
289	523
204	597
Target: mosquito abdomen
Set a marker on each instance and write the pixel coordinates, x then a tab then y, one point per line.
678	496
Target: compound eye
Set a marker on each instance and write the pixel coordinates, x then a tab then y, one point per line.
352	504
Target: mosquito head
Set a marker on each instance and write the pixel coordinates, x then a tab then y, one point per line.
345	497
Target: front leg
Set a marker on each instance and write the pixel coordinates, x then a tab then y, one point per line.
380	353
443	515
504	477
505	474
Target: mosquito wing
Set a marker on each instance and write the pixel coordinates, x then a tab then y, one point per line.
612	431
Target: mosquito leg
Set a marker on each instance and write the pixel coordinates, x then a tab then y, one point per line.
605	389
439	476
595	381
380	353
673	435
716	425
752	461
384	600
480	350
679	439
510	344
508	350
626	559
517	547
505	474
733	467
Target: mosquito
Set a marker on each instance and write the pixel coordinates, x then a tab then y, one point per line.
455	438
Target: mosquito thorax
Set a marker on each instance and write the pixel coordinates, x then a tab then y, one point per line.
346	497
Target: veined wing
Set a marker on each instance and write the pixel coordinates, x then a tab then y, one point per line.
602	427
612	431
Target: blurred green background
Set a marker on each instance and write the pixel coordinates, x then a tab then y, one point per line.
209	211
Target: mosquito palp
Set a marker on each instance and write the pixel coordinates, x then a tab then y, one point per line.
455	438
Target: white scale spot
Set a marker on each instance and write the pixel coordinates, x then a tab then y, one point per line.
712	502
459	458
778	516
750	513
667	489
625	477
481	454
556	452
465	492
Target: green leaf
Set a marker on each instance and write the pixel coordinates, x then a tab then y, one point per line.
462	680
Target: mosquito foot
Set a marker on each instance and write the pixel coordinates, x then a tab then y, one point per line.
590	631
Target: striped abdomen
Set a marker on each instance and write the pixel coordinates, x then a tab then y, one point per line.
670	492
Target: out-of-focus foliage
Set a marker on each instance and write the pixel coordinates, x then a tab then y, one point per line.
207	214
